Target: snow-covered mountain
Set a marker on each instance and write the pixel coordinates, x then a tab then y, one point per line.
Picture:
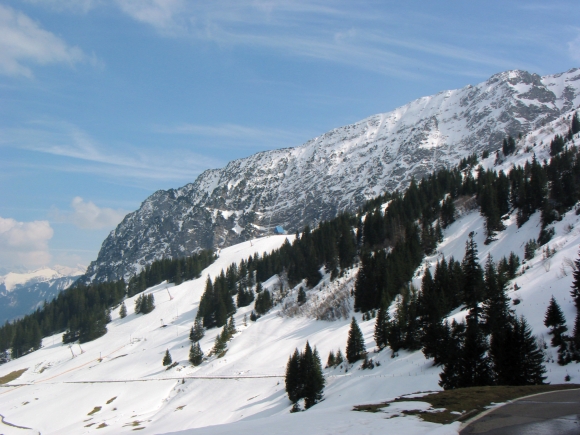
334	172
21	293
117	383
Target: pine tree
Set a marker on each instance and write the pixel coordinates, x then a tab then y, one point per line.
220	344
301	296
575	125
313	379
509	145
123	311
473	283
475	364
516	358
231	327
292	378
263	302
576	295
339	359
496	311
138	304
167	358
382	328
304	378
331	361
197	331
355	345
447	212
554	319
195	354
450	355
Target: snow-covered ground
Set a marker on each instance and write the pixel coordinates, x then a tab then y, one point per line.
243	392
117	383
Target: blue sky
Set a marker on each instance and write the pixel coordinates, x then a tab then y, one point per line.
102	102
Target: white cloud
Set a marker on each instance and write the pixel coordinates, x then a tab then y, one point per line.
77	6
23	41
24	244
162	14
88	216
574	49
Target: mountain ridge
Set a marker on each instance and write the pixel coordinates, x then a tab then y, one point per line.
294	187
21	293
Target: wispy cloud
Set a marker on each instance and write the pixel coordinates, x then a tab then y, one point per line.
338	33
75	6
88	216
574	48
234	134
24	42
122	162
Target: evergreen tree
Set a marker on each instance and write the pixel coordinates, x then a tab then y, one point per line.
382	323
301	296
475	364
355	345
557	145
516	358
195	354
473	282
496	310
313	379
467	364
292	379
220	344
231	327
575	125
509	146
447	212
339	359
263	302
576	296
331	361
555	320
138	304
304	378
197	331
167	358
123	311
449	355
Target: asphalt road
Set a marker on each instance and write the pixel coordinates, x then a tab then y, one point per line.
557	412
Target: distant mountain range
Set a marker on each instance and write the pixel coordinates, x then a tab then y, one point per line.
21	293
334	172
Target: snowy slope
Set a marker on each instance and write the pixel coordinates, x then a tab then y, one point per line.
21	293
243	392
334	172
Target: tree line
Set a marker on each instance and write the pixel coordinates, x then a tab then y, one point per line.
83	310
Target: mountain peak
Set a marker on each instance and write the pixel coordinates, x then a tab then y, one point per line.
334	172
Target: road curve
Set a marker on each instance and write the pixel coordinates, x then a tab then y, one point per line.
557	412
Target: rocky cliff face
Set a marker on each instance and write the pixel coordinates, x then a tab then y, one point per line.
334	172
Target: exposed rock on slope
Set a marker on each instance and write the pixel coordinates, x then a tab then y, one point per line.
333	172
